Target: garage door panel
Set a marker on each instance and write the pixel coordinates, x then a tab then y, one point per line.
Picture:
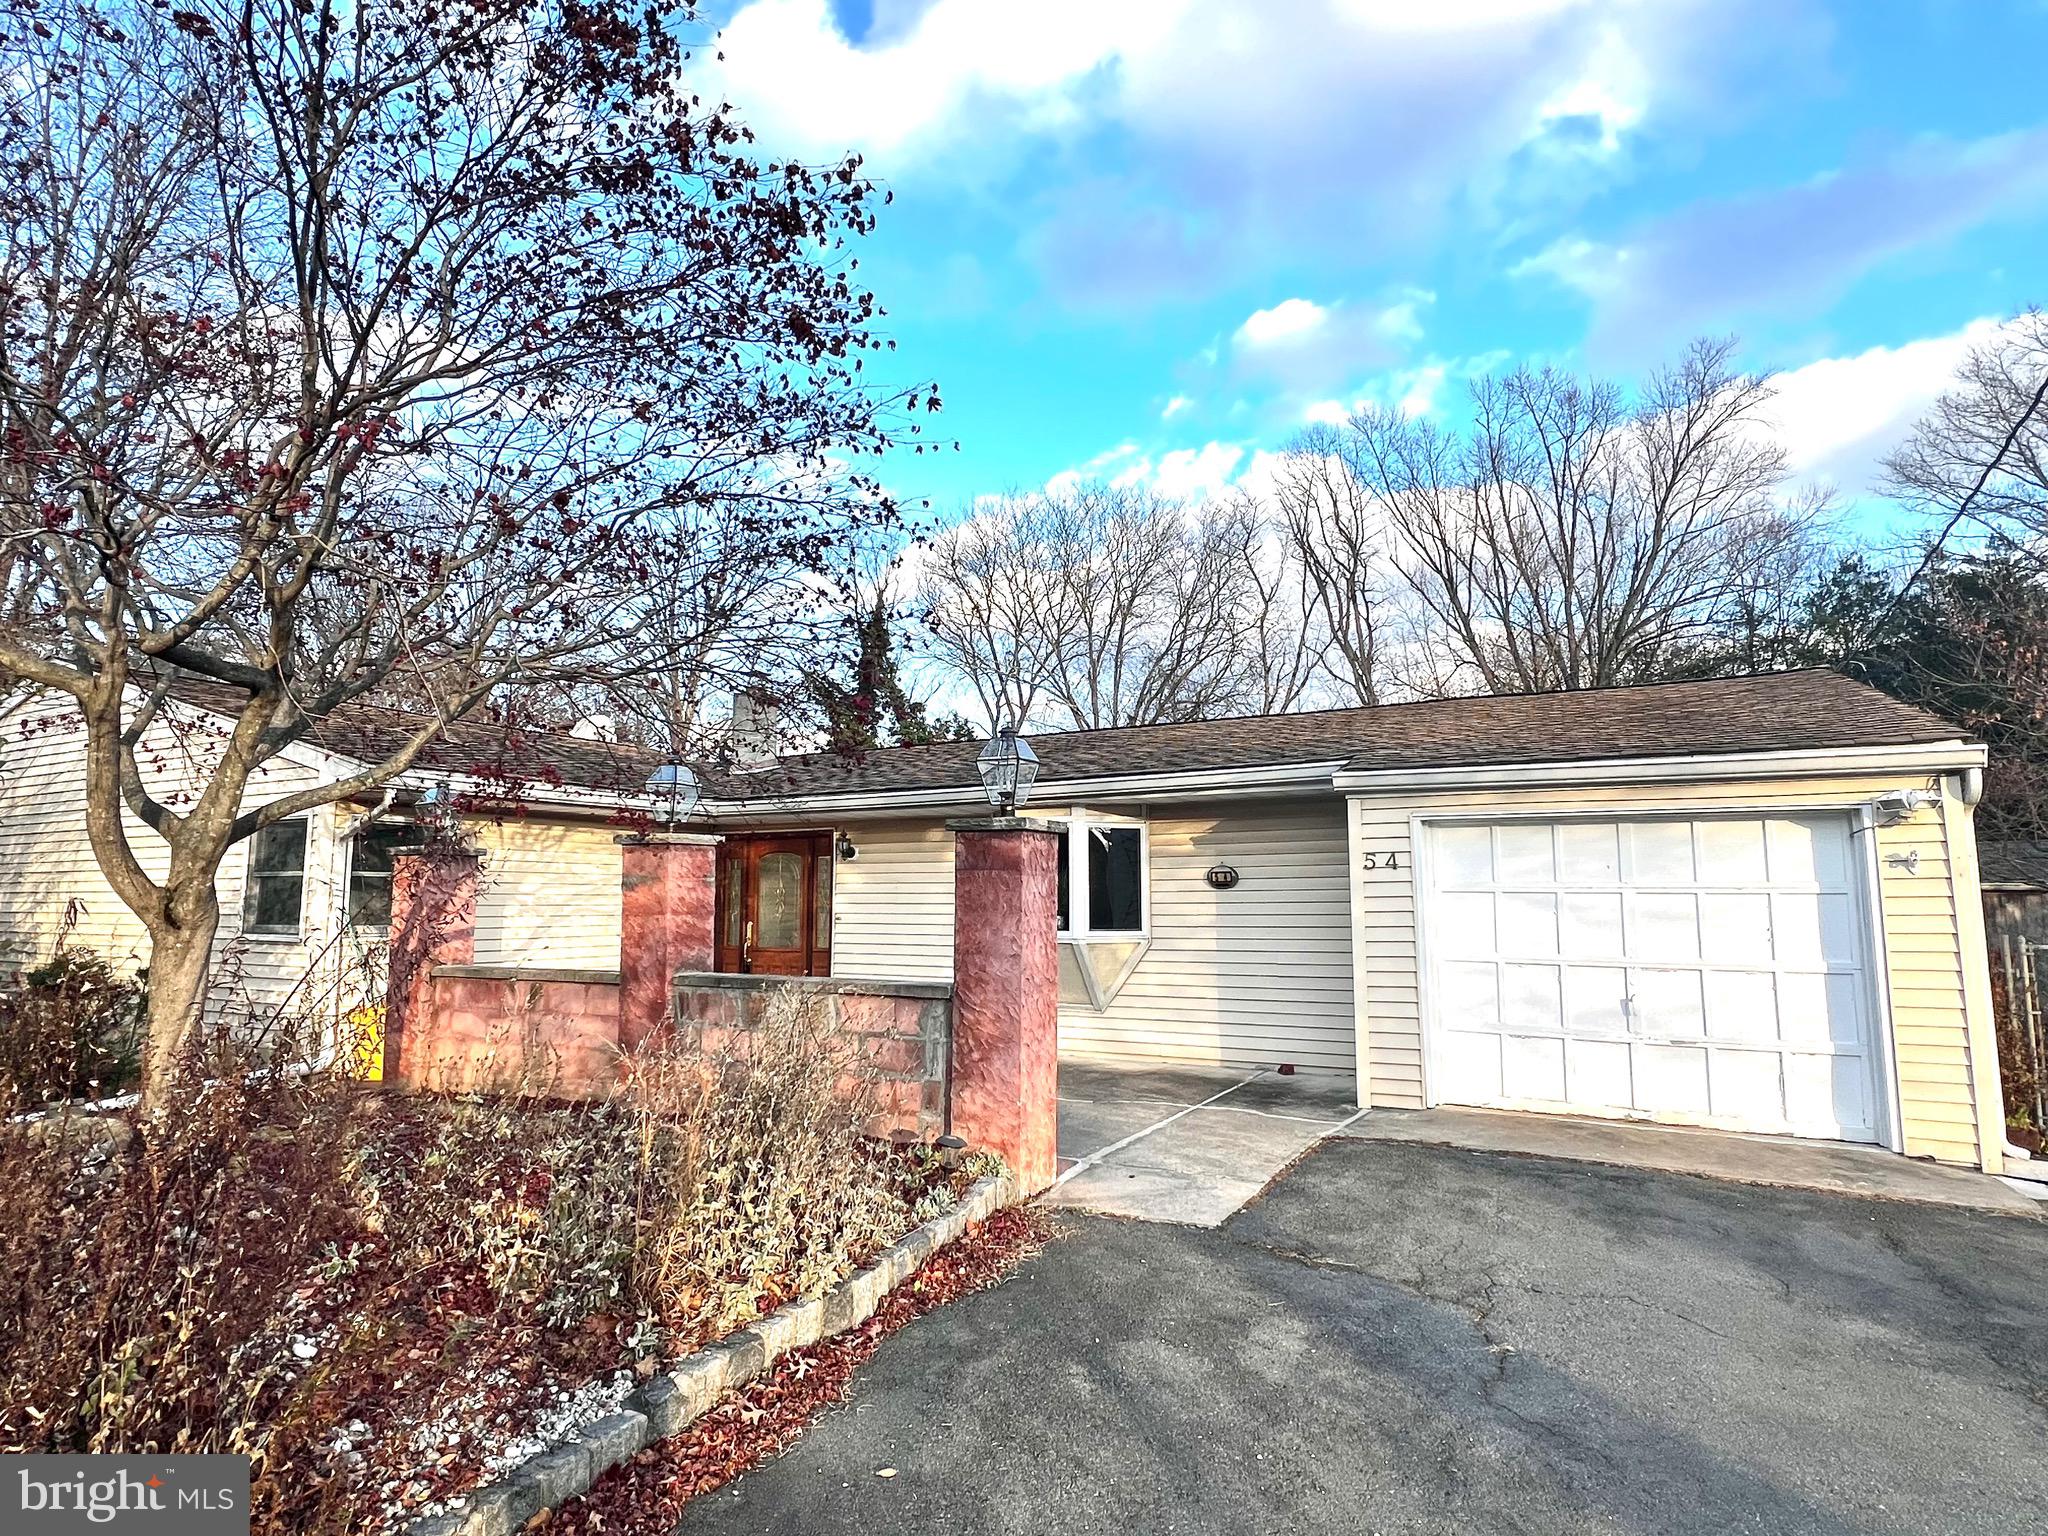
1527	922
1471	912
1589	923
1746	1084
1598	1072
1531	998
1707	968
1463	856
1732	853
1674	1076
1471	991
1589	853
1535	1065
1806	853
1743	1006
1596	1000
1735	927
1666	1004
1659	853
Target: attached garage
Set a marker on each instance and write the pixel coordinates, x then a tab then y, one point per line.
1709	970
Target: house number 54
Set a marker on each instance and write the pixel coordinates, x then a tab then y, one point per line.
1383	861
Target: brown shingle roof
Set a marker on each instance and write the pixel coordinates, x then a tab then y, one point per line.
1783	711
476	746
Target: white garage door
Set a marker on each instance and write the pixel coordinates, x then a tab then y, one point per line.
1707	971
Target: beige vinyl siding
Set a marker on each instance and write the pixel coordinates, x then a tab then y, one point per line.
1250	977
1925	950
548	894
892	907
47	862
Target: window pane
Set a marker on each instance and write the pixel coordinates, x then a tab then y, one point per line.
273	903
279	849
274	890
376	845
780	901
1061	855
821	900
369	899
735	904
369	870
1116	898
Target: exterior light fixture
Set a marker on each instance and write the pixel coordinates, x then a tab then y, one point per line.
845	849
435	811
675	792
1008	767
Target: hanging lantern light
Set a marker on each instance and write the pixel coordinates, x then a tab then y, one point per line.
1008	768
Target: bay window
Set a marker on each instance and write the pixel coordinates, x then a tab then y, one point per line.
1101	876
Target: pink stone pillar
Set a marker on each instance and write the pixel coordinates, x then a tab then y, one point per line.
433	922
1005	1088
668	898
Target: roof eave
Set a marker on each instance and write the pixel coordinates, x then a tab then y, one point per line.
1189	784
1824	762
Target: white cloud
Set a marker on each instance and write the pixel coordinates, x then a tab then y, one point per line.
1838	417
1789	250
1175	407
1198	137
1288	321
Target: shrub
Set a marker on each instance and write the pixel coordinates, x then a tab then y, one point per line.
69	1028
758	1184
153	1280
360	1290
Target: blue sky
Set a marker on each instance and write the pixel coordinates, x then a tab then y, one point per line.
1154	238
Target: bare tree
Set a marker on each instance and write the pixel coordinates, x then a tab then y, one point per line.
1982	451
387	350
1101	605
1574	538
1337	535
981	590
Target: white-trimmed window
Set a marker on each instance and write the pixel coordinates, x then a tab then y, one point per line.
1104	863
274	892
371	852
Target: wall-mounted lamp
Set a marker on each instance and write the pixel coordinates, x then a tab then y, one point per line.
845	849
1897	805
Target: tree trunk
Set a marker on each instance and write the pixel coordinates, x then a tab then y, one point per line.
181	955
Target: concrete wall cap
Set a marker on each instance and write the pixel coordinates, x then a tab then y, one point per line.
670	839
845	986
579	976
1003	824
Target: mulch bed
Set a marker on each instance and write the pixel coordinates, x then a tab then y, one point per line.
764	1418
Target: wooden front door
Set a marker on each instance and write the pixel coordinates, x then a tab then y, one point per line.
775	904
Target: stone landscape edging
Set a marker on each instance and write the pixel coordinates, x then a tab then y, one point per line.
674	1398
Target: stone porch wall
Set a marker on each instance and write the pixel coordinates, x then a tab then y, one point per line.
901	1031
523	1029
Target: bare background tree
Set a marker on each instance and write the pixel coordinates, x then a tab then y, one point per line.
1336	534
1575	539
1100	605
393	352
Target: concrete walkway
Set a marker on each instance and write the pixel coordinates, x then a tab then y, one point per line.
1186	1144
1780	1161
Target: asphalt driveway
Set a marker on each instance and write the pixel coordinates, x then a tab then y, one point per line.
1407	1338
